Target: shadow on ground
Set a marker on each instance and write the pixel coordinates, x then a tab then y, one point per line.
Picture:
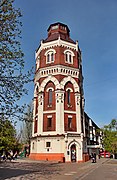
29	171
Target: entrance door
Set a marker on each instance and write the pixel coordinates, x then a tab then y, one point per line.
73	153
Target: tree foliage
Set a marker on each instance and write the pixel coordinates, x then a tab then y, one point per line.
110	136
27	125
7	135
12	78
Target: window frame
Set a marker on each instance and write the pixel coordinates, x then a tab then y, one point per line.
69	56
69	122
49	122
50	56
68	96
48	142
50	89
50	97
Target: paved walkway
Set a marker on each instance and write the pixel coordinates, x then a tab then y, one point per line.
26	169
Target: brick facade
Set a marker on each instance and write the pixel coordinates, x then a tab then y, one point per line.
58	98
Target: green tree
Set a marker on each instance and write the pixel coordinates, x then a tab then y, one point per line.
12	78
110	136
27	125
7	135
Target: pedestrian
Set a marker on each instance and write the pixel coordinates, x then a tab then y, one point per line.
99	156
15	155
95	156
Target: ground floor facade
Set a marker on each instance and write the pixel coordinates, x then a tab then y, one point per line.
64	148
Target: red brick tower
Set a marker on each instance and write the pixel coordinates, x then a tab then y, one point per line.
58	98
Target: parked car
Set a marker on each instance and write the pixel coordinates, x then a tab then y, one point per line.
105	154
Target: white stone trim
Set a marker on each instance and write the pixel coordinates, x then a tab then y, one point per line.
45	81
71	52
53	50
70	112
71	90
72	80
55	70
50	88
36	86
59	111
50	116
55	43
51	111
69	116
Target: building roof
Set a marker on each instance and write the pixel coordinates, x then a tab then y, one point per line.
57	30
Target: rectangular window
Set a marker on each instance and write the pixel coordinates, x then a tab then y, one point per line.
49	122
69	122
48	144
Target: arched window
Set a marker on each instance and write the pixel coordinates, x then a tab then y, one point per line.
50	96
66	57
69	56
68	97
50	56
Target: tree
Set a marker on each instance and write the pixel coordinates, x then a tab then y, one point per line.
110	136
7	135
12	78
27	125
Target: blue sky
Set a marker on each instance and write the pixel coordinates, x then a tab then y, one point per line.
94	24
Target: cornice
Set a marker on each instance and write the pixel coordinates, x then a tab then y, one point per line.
57	70
55	43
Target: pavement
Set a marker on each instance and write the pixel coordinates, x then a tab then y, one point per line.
27	169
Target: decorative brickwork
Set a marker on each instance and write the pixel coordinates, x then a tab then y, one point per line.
58	109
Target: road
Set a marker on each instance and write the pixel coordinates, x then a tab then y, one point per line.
104	169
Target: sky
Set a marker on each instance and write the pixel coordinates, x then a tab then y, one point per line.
94	24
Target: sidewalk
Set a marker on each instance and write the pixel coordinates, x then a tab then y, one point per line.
28	160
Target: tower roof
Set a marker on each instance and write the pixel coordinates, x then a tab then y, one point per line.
57	30
58	24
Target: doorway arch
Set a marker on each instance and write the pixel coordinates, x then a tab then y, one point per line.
73	152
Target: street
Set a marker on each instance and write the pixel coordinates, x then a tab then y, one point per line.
27	170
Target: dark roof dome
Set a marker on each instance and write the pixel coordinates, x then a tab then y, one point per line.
57	30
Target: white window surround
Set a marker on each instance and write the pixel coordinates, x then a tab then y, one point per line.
50	116
50	88
71	90
69	116
50	55
69	56
37	62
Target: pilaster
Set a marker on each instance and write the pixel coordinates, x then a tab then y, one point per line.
78	112
40	113
59	111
